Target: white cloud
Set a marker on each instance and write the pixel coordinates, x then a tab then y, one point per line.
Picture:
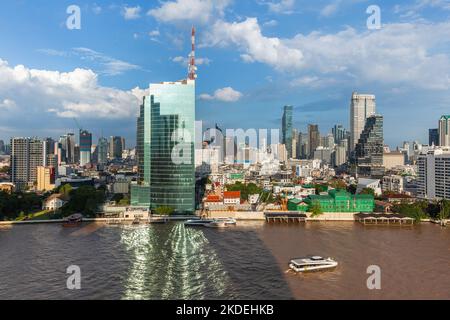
330	9
401	53
7	104
154	33
282	6
200	11
96	9
109	66
131	13
247	35
270	23
66	94
227	94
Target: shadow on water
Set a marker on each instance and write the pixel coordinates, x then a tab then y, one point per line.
249	263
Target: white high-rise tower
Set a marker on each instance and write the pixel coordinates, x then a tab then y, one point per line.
362	106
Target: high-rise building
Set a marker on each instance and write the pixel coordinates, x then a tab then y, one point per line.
370	148
115	147
67	148
444	131
434	174
314	139
286	130
102	150
433	137
45	178
303	145
85	147
362	106
26	155
339	133
340	155
2	147
165	148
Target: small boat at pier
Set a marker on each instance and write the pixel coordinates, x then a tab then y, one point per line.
73	220
228	221
198	222
312	263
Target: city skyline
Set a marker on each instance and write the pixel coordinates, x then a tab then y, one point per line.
109	80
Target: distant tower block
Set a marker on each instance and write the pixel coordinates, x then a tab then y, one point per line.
192	68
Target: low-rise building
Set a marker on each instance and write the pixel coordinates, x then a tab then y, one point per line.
54	202
392	183
232	197
7	187
342	201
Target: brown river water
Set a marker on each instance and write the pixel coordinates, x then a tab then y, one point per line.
248	261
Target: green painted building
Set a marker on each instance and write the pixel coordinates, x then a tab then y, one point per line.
165	148
335	201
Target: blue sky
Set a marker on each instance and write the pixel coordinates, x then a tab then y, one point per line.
255	56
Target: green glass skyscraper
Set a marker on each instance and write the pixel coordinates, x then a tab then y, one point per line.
165	148
286	130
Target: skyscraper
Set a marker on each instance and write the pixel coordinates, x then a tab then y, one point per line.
314	139
165	148
362	106
67	145
102	149
26	155
370	148
339	133
286	129
433	137
2	147
85	147
444	133
115	147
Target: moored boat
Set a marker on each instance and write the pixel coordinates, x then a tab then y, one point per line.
312	263
73	220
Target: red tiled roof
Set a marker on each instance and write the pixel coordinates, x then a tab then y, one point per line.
232	194
213	198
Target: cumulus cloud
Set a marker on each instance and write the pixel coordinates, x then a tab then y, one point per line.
399	53
65	94
227	94
200	11
281	6
330	9
131	13
255	47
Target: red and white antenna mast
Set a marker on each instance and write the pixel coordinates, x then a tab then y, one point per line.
192	68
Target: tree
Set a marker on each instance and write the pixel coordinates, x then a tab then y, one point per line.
369	191
444	213
316	209
165	210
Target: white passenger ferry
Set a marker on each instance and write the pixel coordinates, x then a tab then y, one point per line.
312	263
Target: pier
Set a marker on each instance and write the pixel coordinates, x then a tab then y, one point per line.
383	219
285	217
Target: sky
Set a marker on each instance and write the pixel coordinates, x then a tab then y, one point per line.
254	57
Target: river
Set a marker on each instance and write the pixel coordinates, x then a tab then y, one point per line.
248	261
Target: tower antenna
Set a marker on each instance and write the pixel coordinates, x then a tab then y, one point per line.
192	68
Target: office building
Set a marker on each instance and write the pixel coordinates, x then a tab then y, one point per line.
286	131
339	133
165	139
444	134
362	106
340	154
2	147
102	151
370	148
67	148
45	178
314	139
433	174
26	155
115	147
393	159
392	183
85	147
433	137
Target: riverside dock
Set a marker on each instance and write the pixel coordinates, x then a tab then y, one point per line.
285	217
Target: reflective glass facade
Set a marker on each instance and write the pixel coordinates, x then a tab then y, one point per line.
286	130
165	148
